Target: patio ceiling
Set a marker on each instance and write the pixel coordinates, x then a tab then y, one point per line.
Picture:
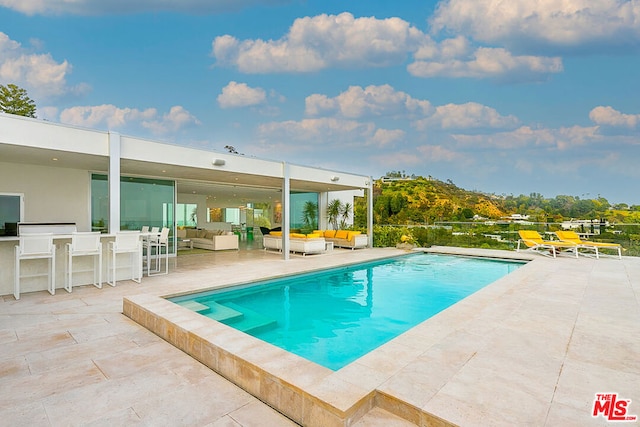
222	184
10	153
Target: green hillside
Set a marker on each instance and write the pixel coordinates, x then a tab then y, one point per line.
426	200
427	211
403	200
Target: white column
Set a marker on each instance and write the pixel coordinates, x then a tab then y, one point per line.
286	226
370	213
323	198
114	182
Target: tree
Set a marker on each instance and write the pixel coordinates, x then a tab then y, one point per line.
338	213
14	100
344	215
334	209
310	215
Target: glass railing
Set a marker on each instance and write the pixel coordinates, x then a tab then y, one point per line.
502	235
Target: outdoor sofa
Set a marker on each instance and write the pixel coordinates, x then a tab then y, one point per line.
213	240
298	243
345	238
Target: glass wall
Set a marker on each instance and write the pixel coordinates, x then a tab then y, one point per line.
186	214
143	201
304	212
11	213
99	203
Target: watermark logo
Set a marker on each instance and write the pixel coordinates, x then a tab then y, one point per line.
612	408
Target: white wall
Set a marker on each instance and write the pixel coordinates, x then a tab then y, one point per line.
344	197
50	194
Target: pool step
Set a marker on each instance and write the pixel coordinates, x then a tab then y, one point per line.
222	313
213	310
194	306
251	322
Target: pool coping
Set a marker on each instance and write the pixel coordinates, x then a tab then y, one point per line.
306	392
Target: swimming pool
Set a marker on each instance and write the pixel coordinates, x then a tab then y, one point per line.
335	316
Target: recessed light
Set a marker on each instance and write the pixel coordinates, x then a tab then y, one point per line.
55	159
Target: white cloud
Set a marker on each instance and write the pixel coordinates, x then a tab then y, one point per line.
438	153
330	134
101	115
387	137
100	7
486	62
113	117
327	131
39	74
342	41
561	139
319	42
177	118
611	117
546	23
236	95
358	102
466	116
384	101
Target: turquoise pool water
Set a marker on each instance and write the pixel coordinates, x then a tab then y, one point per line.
335	316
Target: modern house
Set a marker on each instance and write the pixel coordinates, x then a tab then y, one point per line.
104	181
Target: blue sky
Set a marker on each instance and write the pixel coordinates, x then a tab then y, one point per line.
505	97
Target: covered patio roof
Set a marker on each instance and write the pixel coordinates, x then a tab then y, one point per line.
31	141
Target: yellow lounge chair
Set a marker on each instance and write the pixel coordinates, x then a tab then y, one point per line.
534	242
572	237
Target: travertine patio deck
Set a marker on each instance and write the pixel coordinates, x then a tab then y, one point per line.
533	348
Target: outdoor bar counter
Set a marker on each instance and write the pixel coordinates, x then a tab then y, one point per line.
34	271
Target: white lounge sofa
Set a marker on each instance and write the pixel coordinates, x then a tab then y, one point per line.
345	239
297	244
213	240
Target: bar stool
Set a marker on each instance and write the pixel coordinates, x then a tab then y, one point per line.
158	243
84	244
36	246
147	236
126	242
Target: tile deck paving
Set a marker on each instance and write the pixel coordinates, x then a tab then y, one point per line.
533	348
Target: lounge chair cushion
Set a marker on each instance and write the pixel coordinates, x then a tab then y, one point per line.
342	234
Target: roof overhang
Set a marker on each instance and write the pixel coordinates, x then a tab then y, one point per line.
31	141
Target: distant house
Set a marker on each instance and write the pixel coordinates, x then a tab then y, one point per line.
516	217
585	225
386	179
